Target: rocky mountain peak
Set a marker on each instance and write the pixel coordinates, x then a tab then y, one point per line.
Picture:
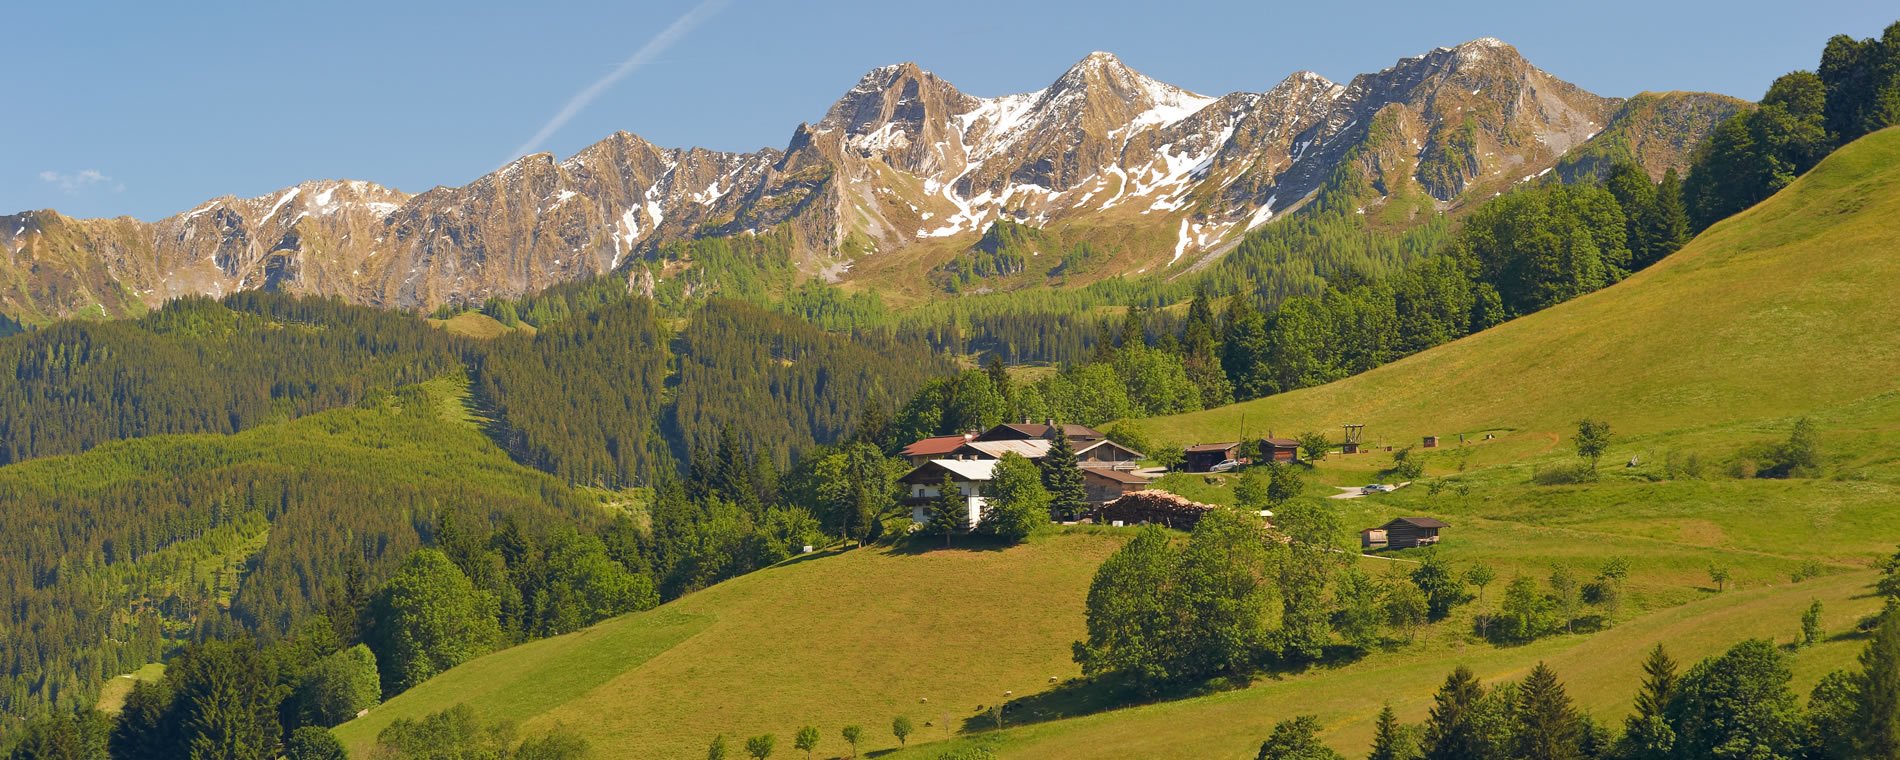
901	158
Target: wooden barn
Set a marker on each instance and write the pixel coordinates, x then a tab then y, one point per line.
1153	507
1279	450
1106	484
1403	533
1202	457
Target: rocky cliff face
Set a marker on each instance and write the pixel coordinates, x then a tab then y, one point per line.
902	158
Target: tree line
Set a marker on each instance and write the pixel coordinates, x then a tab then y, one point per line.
1737	704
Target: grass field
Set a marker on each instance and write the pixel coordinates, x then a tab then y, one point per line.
857	636
474	324
112	695
1787	310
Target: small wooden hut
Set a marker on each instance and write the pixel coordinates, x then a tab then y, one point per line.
1403	533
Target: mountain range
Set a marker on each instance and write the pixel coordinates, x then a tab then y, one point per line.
904	170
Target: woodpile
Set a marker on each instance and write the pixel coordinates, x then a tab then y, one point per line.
1154	506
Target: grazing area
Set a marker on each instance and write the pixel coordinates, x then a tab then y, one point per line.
854	637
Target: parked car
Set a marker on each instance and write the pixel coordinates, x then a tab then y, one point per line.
1225	465
1375	488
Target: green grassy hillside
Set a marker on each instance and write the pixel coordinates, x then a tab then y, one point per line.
855	637
1788	308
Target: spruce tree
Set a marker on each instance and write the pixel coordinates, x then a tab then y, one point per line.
1388	741
1647	734
1455	731
1062	478
950	511
1878	720
1548	725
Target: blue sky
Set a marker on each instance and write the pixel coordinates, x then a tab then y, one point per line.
137	108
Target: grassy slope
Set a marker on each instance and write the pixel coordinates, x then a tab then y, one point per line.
852	637
1787	309
474	324
1784	309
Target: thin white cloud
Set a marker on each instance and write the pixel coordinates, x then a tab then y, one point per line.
71	184
652	49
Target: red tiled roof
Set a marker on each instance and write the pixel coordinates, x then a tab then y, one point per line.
930	447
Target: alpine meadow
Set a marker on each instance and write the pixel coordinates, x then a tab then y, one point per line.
1451	411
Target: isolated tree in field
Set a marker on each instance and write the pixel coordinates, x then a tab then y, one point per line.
717	749
901	728
1877	721
1799	456
428	618
852	735
1548	725
950	511
1739	702
806	739
760	747
1315	446
1525	614
1455	730
1566	596
1593	440
1811	625
1407	466
1443	587
1719	576
1481	575
1068	496
1296	739
1647	734
1405	608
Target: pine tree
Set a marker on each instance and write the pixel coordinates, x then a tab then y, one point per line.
1878	719
1548	724
1062	478
1647	734
733	472
1388	741
950	512
1455	731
